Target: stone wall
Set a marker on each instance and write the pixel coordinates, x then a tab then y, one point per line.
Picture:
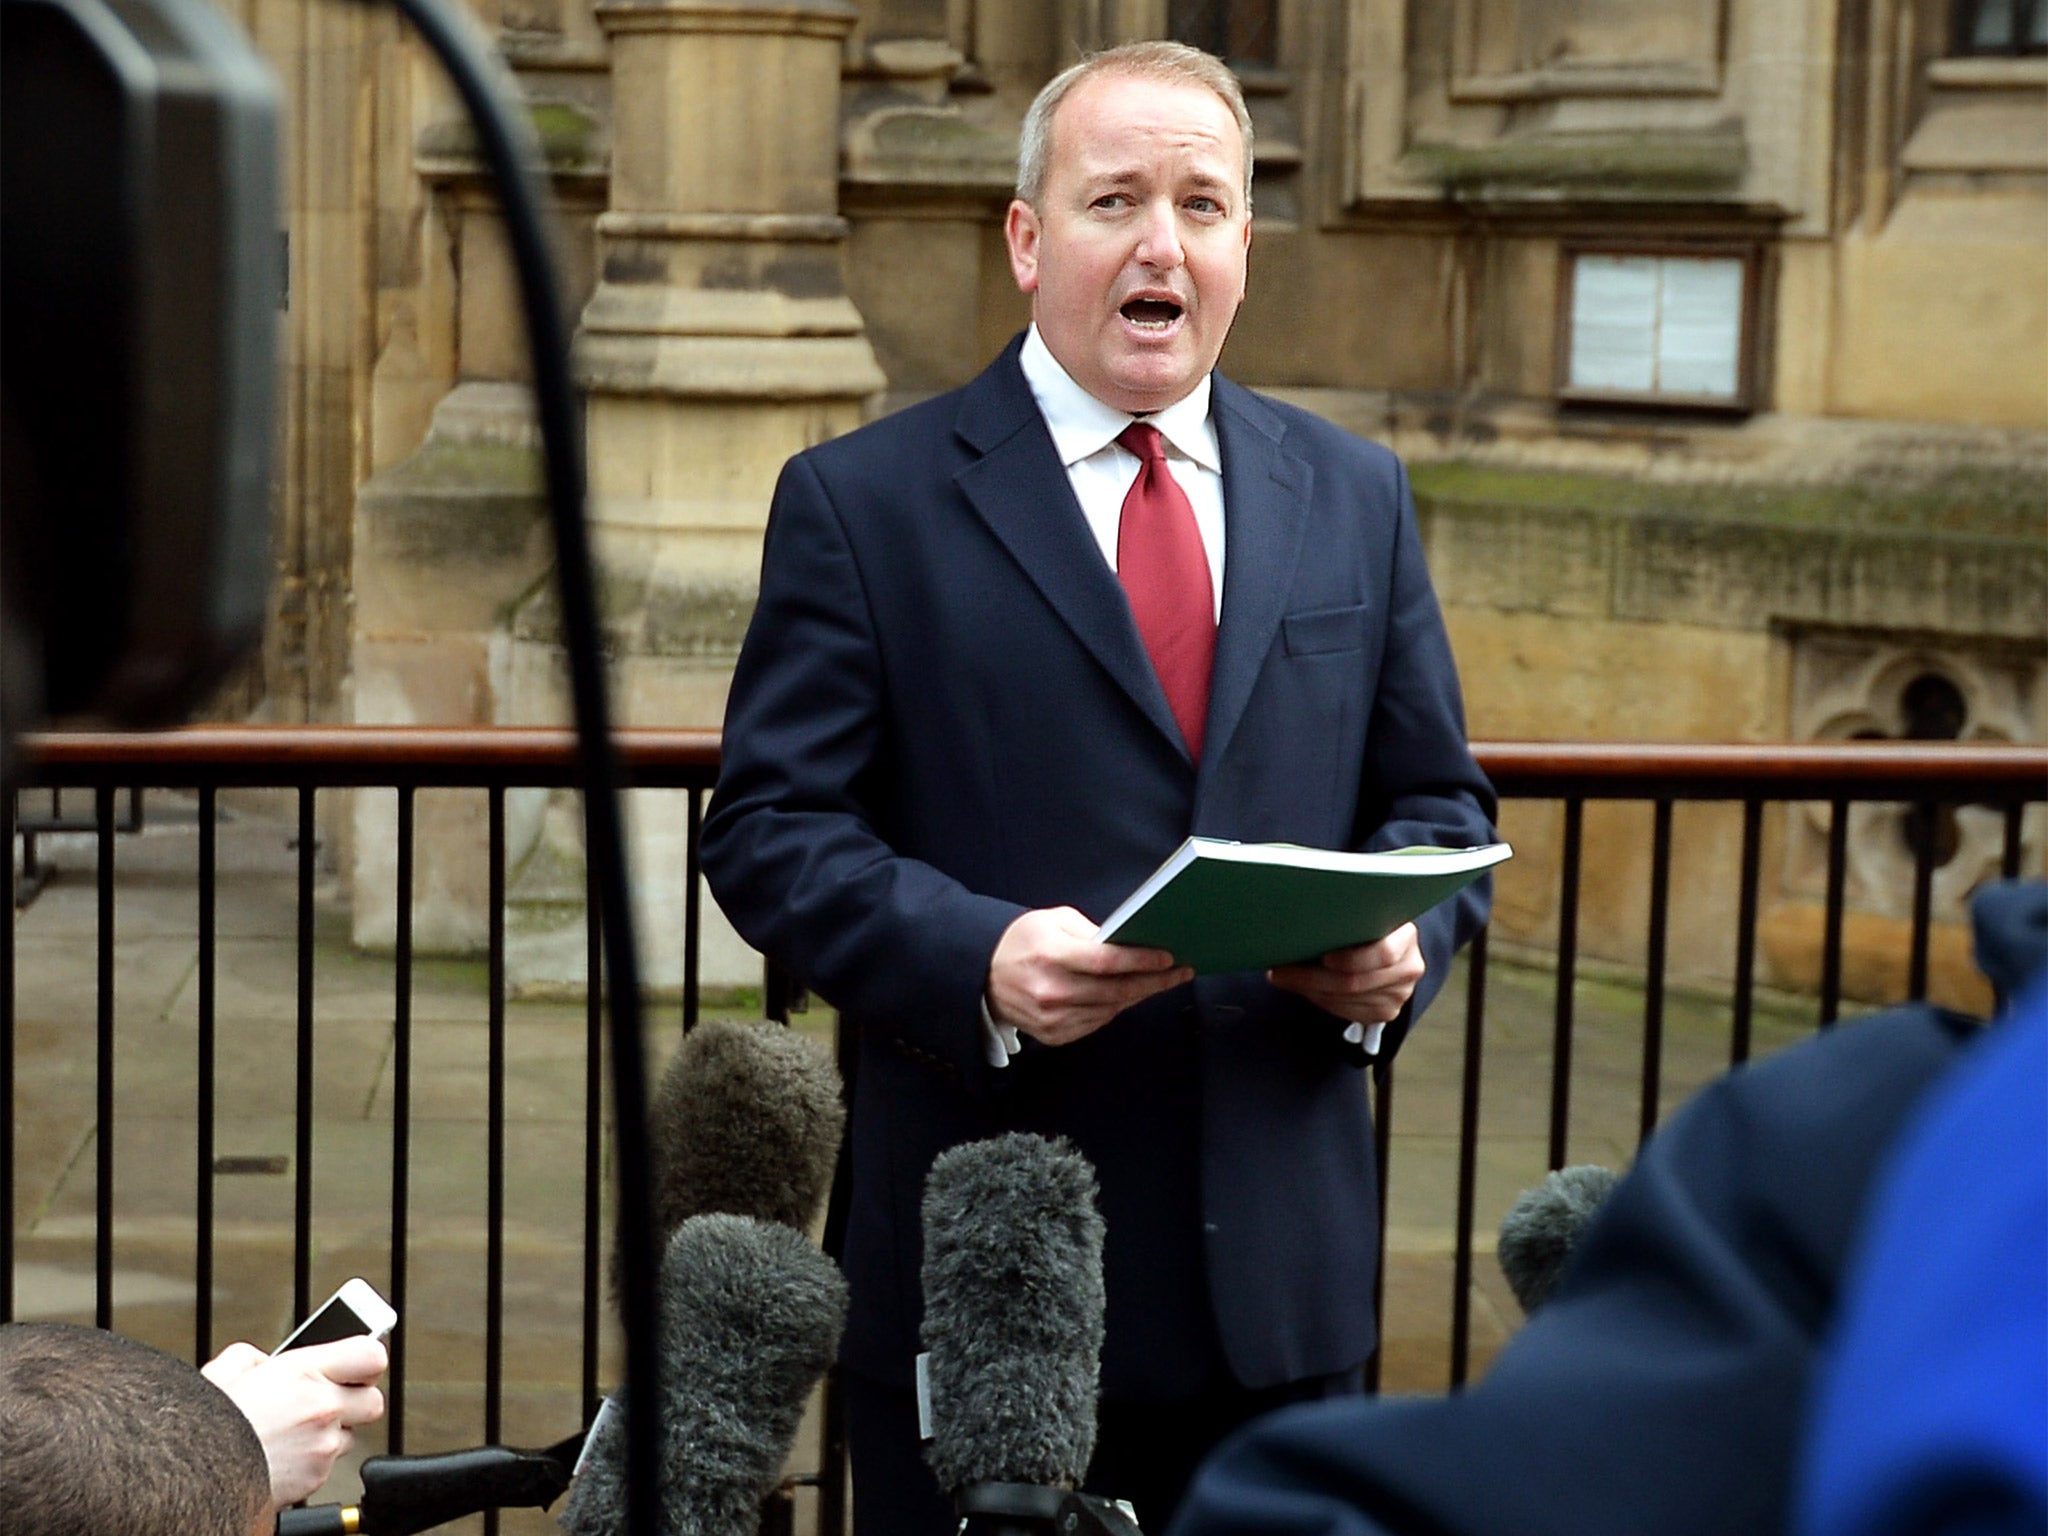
1424	177
1737	614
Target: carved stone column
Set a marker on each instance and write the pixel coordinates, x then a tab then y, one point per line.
930	155
450	534
719	339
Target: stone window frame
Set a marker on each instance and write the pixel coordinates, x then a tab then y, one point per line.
1269	90
1849	682
1259	17
2029	17
1702	74
1747	398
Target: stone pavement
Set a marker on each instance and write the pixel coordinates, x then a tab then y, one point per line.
155	989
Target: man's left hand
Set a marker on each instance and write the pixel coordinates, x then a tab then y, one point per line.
1367	983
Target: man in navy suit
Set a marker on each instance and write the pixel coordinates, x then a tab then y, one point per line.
958	736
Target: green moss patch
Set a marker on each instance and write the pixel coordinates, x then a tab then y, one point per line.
2006	504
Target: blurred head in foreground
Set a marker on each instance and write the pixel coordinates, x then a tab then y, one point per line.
100	1433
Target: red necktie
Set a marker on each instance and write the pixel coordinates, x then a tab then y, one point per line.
1165	572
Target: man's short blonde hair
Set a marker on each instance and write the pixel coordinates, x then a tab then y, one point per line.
1174	63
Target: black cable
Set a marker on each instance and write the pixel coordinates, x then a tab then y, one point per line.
558	405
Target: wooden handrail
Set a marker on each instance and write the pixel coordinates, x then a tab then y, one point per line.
338	755
357	755
1767	770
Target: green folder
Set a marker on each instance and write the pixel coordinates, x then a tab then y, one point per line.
1222	906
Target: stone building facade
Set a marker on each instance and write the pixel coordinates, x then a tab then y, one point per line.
1716	332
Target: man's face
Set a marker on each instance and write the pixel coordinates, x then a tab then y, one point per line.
1135	256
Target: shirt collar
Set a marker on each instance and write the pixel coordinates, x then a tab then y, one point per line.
1082	426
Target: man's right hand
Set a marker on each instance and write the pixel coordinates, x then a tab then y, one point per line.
1053	980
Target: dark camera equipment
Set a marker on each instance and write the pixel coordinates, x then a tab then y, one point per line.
139	287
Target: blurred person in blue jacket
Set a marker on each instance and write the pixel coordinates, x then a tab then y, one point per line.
1669	1384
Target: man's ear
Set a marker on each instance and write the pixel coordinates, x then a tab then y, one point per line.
1021	234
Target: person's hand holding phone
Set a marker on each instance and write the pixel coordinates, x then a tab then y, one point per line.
306	1399
304	1404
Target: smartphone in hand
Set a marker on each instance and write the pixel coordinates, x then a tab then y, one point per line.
353	1309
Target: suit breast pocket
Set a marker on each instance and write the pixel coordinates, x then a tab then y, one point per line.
1325	631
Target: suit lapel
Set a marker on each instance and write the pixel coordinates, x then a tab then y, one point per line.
1265	513
1020	490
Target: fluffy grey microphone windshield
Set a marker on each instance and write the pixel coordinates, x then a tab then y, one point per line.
1012	1312
746	1121
1542	1228
750	1319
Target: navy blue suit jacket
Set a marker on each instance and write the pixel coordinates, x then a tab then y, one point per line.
1664	1386
943	716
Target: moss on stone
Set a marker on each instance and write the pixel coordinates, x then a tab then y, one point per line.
926	145
442	465
1998	504
1612	164
568	137
701	619
526	917
519	616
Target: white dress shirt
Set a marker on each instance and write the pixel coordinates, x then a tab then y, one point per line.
1101	471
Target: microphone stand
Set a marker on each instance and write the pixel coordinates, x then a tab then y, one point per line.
1032	1509
403	1495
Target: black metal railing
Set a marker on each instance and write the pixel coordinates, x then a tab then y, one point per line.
1761	780
304	763
2002	780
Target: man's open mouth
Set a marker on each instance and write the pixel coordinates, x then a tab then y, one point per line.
1151	314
